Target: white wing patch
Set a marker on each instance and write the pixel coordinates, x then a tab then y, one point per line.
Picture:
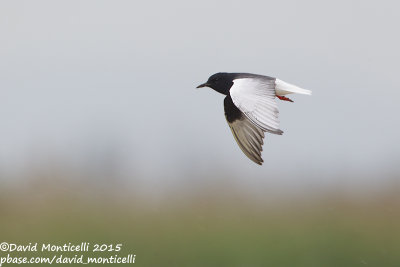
249	138
255	97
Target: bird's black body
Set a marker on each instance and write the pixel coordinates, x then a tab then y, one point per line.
223	81
232	113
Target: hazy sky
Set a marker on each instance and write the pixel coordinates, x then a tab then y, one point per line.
87	81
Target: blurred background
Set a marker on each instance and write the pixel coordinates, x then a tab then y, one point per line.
104	137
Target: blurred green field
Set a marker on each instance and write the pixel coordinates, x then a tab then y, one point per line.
209	230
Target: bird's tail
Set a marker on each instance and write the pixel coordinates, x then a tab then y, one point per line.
284	88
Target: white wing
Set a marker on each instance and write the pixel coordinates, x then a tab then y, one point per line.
255	97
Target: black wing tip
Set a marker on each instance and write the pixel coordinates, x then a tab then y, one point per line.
259	162
277	132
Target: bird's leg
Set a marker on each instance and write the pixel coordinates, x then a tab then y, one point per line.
284	98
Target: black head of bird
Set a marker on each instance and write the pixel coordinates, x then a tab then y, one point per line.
220	82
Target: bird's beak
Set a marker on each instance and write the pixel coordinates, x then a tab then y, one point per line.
202	85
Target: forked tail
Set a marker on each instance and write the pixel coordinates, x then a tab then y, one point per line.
284	88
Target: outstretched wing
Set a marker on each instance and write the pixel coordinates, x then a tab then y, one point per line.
248	135
255	97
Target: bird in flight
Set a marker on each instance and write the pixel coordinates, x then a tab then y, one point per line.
250	107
